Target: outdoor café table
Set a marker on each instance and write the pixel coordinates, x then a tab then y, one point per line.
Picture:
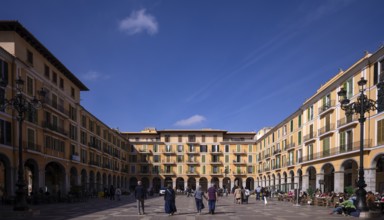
320	201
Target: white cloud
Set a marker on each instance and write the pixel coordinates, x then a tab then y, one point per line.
139	22
94	76
196	119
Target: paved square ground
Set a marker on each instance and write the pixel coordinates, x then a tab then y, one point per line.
100	209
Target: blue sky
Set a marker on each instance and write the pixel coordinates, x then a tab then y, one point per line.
236	65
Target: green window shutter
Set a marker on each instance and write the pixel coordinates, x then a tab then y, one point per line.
376	73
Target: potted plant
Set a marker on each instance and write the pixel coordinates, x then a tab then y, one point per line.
310	192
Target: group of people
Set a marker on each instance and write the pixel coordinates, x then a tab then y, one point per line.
241	195
140	194
112	193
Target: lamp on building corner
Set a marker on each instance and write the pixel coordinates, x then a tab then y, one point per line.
360	107
22	105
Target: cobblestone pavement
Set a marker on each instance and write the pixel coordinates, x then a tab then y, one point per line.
100	209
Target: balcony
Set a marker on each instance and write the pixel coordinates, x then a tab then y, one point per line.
167	173
93	163
169	162
275	152
192	162
55	128
240	152
310	137
267	169
347	121
328	129
334	152
239	173
169	152
216	152
325	108
192	173
276	167
239	162
32	146
216	162
290	146
54	105
194	151
216	173
145	151
238	140
267	156
290	163
124	170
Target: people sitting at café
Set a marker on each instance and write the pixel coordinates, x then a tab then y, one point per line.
371	201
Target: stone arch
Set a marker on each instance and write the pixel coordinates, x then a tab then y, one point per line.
250	183
227	183
92	182
156	184
350	169
55	178
32	175
311	172
203	182
132	184
329	177
180	183
118	183
145	182
73	177
300	175
238	181
98	182
168	181
192	183
83	179
5	174
378	162
273	186
110	180
105	181
279	181
215	181
284	186
292	179
114	180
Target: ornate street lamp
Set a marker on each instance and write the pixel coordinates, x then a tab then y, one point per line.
22	105
360	107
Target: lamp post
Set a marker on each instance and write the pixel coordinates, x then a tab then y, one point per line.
360	107
22	105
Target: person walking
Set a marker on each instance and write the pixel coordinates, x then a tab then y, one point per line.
247	194
140	196
112	192
118	193
212	198
237	195
199	195
257	191
170	200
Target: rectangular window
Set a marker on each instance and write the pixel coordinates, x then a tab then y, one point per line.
155	148
180	148
203	148
3	73
180	138
54	78
167	137
380	132
326	145
29	57
215	138
203	158
299	137
348	86
226	148
31	143
310	113
72	92
191	138
203	138
46	71
250	147
180	158
299	121
30	86
292	125
61	84
249	158
227	158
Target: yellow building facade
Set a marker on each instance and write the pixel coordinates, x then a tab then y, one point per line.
64	145
318	145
